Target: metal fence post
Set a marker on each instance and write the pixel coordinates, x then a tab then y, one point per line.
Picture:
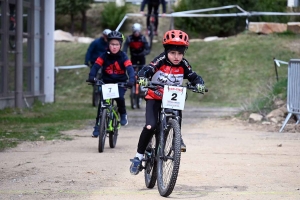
293	91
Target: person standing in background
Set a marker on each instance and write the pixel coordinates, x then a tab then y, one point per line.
153	4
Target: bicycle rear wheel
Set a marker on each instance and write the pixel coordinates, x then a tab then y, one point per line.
103	128
150	171
169	160
113	135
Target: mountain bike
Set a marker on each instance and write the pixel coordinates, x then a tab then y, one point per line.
109	119
137	92
162	156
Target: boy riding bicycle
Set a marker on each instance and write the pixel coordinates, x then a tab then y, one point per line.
138	45
114	64
168	68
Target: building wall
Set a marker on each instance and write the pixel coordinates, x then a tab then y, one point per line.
22	81
293	3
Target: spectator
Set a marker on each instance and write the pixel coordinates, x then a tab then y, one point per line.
153	4
96	48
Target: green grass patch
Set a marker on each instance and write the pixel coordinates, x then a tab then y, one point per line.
42	122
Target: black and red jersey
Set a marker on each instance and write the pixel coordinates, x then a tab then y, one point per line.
138	46
162	71
115	68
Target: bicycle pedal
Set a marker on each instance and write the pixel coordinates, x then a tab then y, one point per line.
183	150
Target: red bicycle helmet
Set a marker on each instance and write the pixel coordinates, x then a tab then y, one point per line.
176	37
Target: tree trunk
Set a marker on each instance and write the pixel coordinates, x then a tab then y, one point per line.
83	21
72	24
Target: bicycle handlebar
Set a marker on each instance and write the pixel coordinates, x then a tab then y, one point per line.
188	86
100	82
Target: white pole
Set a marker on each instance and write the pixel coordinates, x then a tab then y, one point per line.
120	3
49	55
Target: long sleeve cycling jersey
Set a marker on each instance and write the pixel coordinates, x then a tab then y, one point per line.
162	71
114	68
138	46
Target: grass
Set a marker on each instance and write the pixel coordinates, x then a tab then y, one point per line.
238	71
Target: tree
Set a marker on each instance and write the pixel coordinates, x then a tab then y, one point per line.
72	8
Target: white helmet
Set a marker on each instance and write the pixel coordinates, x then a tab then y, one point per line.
106	32
136	27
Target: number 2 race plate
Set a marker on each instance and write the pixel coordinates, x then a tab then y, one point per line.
174	97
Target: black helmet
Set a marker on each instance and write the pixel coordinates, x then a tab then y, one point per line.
115	35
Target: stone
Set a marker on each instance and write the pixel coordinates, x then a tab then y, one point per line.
293	27
283	109
62	36
278	103
267	27
254	117
86	40
275	113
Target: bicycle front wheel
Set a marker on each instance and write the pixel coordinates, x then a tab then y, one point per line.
169	159
113	135
150	171
103	128
95	96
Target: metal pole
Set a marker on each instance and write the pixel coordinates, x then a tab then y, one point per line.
121	23
19	56
275	65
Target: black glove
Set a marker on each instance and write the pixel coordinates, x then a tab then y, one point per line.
129	84
89	64
91	79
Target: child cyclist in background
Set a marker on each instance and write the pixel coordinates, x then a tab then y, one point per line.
168	68
114	64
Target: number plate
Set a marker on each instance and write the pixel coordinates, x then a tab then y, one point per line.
174	97
110	91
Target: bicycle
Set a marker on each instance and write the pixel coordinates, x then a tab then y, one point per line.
162	156
137	92
109	120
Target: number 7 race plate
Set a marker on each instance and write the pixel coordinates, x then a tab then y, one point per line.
110	91
174	97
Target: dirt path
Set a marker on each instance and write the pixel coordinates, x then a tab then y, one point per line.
224	160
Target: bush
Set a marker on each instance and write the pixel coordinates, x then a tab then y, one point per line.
112	15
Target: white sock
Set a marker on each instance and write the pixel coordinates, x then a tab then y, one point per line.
140	156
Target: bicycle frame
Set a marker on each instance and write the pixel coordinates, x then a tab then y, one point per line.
111	111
